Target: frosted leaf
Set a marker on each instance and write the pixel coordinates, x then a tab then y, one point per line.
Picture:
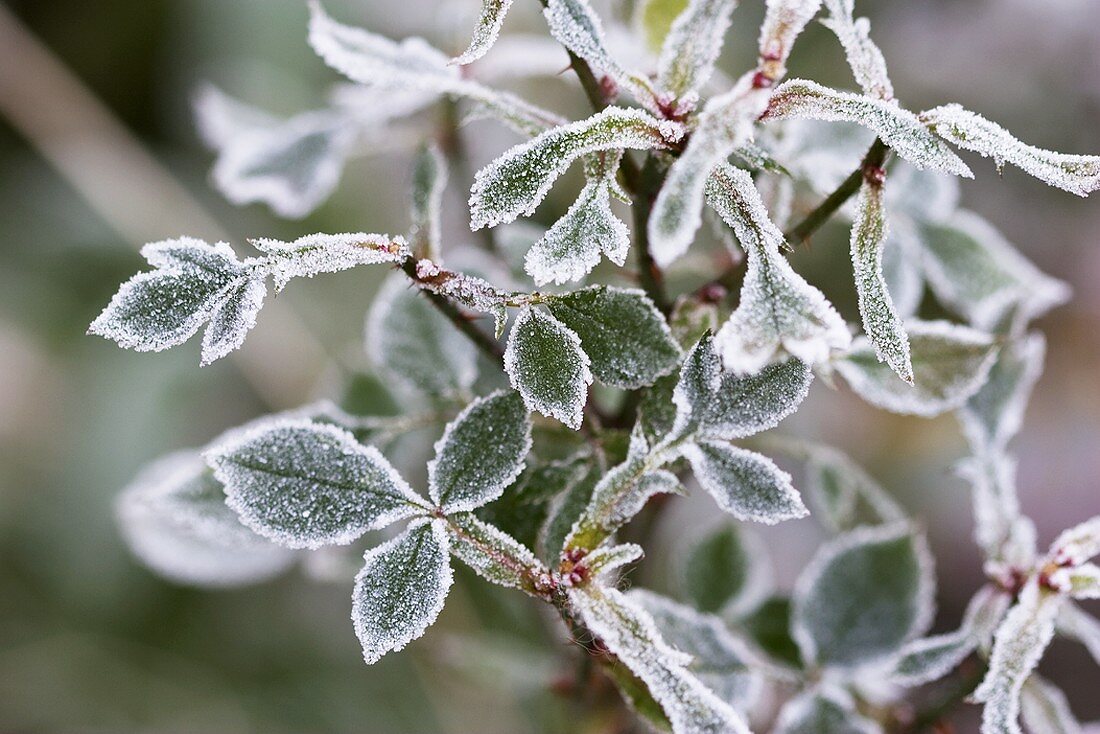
997	521
547	366
481	452
724	126
824	710
779	313
630	633
573	245
744	483
976	272
175	520
624	335
864	57
922	196
899	128
576	26
719	405
1077	624
493	554
821	154
931	658
838	489
328	253
718	658
1077	174
783	22
603	561
950	364
429	179
620	495
401	588
233	318
725	572
692	46
1017	646
1078	544
417	346
881	321
305	484
486	31
515	112
901	268
1080	582
515	183
162	308
221	118
567	508
1045	710
864	595
292	167
467	290
993	415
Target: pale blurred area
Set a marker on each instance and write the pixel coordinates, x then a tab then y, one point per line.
98	154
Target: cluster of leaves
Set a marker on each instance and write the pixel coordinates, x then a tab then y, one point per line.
527	503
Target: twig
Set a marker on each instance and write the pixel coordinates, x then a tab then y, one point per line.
481	340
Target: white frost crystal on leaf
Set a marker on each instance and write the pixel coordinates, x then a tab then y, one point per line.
779	313
630	633
865	58
481	452
902	130
724	126
993	415
516	183
826	709
1045	710
328	253
491	553
1078	544
1017	646
744	483
547	366
977	273
881	321
233	319
1077	174
783	22
401	588
950	363
864	595
305	484
486	31
692	47
174	518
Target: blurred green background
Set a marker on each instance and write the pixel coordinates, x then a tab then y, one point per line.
90	641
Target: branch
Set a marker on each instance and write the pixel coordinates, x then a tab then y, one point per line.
462	322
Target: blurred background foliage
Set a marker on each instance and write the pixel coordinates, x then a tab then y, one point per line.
90	641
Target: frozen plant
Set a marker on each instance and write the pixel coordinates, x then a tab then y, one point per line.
537	475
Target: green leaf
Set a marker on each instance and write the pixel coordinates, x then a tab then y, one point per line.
401	589
725	572
174	518
515	183
714	404
691	47
864	57
494	555
824	710
233	318
863	596
744	483
656	17
899	128
842	494
481	452
631	635
881	321
486	31
620	495
622	332
567	509
415	345
429	179
950	363
546	364
974	271
779	313
1077	174
770	628
305	484
718	658
993	415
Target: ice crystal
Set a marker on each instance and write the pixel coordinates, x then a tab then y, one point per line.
401	588
546	364
486	31
784	21
950	363
902	130
305	484
492	553
692	46
233	318
314	254
744	483
515	183
1077	174
467	290
625	337
779	313
619	495
864	57
481	452
864	595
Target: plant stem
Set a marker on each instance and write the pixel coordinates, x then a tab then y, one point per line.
481	340
454	147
